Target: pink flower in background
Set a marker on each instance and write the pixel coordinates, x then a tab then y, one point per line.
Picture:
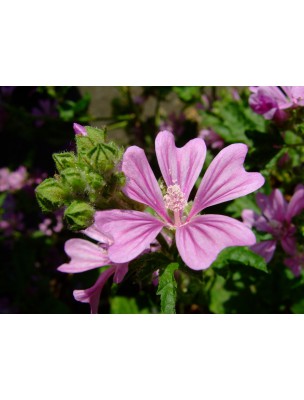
174	123
12	181
275	219
199	238
295	263
272	101
85	256
79	129
46	109
211	138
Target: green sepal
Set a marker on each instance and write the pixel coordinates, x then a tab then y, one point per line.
102	157
64	160
79	215
50	194
84	144
167	288
95	134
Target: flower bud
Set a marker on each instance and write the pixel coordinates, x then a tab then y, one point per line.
50	194
79	215
64	160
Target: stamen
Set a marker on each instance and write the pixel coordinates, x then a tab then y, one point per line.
175	198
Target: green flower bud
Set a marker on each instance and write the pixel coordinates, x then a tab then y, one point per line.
50	194
64	160
95	134
102	157
79	215
95	181
74	179
84	144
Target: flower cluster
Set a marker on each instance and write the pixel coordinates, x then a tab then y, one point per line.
125	234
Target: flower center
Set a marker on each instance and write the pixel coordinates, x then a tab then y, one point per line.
174	198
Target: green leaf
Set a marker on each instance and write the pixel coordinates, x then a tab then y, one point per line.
188	93
239	256
167	289
237	206
125	305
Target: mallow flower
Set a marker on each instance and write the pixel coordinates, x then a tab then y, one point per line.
275	219
199	238
272	101
85	256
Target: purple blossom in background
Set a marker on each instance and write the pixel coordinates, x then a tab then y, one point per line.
46	109
199	238
295	263
211	138
46	226
85	256
79	129
272	101
174	123
12	181
275	219
7	91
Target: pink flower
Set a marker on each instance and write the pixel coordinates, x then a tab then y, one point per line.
12	181
272	101
275	219
79	129
295	263
199	238
211	138
85	256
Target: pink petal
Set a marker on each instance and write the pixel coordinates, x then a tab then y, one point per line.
92	294
295	263
180	165
141	183
84	256
132	231
274	207
296	204
289	244
201	240
226	179
265	249
252	219
120	272
94	233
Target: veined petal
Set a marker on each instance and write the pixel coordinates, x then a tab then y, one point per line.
132	231
201	240
226	179
265	249
141	183
84	256
289	244
92	294
94	233
296	203
274	206
120	272
180	165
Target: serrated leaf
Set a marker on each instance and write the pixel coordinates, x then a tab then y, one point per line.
239	256
167	289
